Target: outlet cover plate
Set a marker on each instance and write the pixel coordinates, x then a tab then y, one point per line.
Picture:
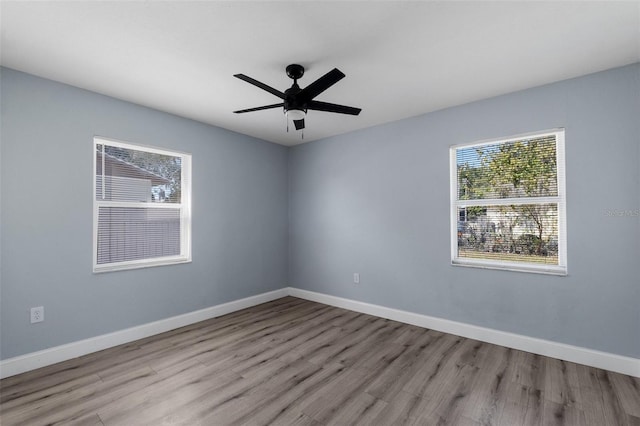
37	314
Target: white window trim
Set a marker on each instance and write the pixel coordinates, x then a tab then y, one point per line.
560	200
185	209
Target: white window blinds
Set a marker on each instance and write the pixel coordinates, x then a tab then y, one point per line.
508	203
141	206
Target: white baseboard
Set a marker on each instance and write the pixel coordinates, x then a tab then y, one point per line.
34	360
590	357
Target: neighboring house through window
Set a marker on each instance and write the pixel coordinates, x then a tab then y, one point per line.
141	206
508	203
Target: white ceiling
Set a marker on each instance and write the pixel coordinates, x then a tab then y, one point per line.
401	59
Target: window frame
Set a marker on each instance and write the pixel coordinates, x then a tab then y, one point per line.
184	206
560	200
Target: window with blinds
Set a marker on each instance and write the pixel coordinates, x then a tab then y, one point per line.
141	206
508	203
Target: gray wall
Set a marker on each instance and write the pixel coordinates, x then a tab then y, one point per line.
376	202
239	216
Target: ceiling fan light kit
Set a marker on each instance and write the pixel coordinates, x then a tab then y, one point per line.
295	114
296	101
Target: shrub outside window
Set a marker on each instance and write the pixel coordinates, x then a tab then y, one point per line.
508	203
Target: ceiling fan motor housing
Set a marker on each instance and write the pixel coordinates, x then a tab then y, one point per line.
291	101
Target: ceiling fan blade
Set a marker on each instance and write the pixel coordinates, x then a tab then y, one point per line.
299	124
326	106
320	85
260	85
258	108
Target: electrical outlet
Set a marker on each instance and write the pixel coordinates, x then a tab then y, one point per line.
356	278
37	314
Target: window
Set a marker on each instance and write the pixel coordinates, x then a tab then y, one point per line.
141	208
508	204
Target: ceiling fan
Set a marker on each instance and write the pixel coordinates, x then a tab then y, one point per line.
297	101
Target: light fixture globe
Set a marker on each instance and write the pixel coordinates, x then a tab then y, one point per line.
295	114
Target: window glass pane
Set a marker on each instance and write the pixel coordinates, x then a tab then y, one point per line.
524	233
516	169
136	175
132	233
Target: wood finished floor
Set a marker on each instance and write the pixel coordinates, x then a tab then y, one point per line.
294	362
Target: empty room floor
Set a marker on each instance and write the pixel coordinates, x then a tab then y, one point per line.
292	361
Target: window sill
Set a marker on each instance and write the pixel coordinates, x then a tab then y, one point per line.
123	266
513	267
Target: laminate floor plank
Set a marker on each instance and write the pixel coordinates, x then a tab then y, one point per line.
337	397
487	397
445	400
285	405
146	406
559	376
411	369
173	390
362	349
363	409
295	362
350	337
309	336
613	411
76	405
399	410
531	371
62	372
559	414
32	398
432	372
88	420
521	406
225	407
628	391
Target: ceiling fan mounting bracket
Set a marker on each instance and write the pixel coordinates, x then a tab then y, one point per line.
295	71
